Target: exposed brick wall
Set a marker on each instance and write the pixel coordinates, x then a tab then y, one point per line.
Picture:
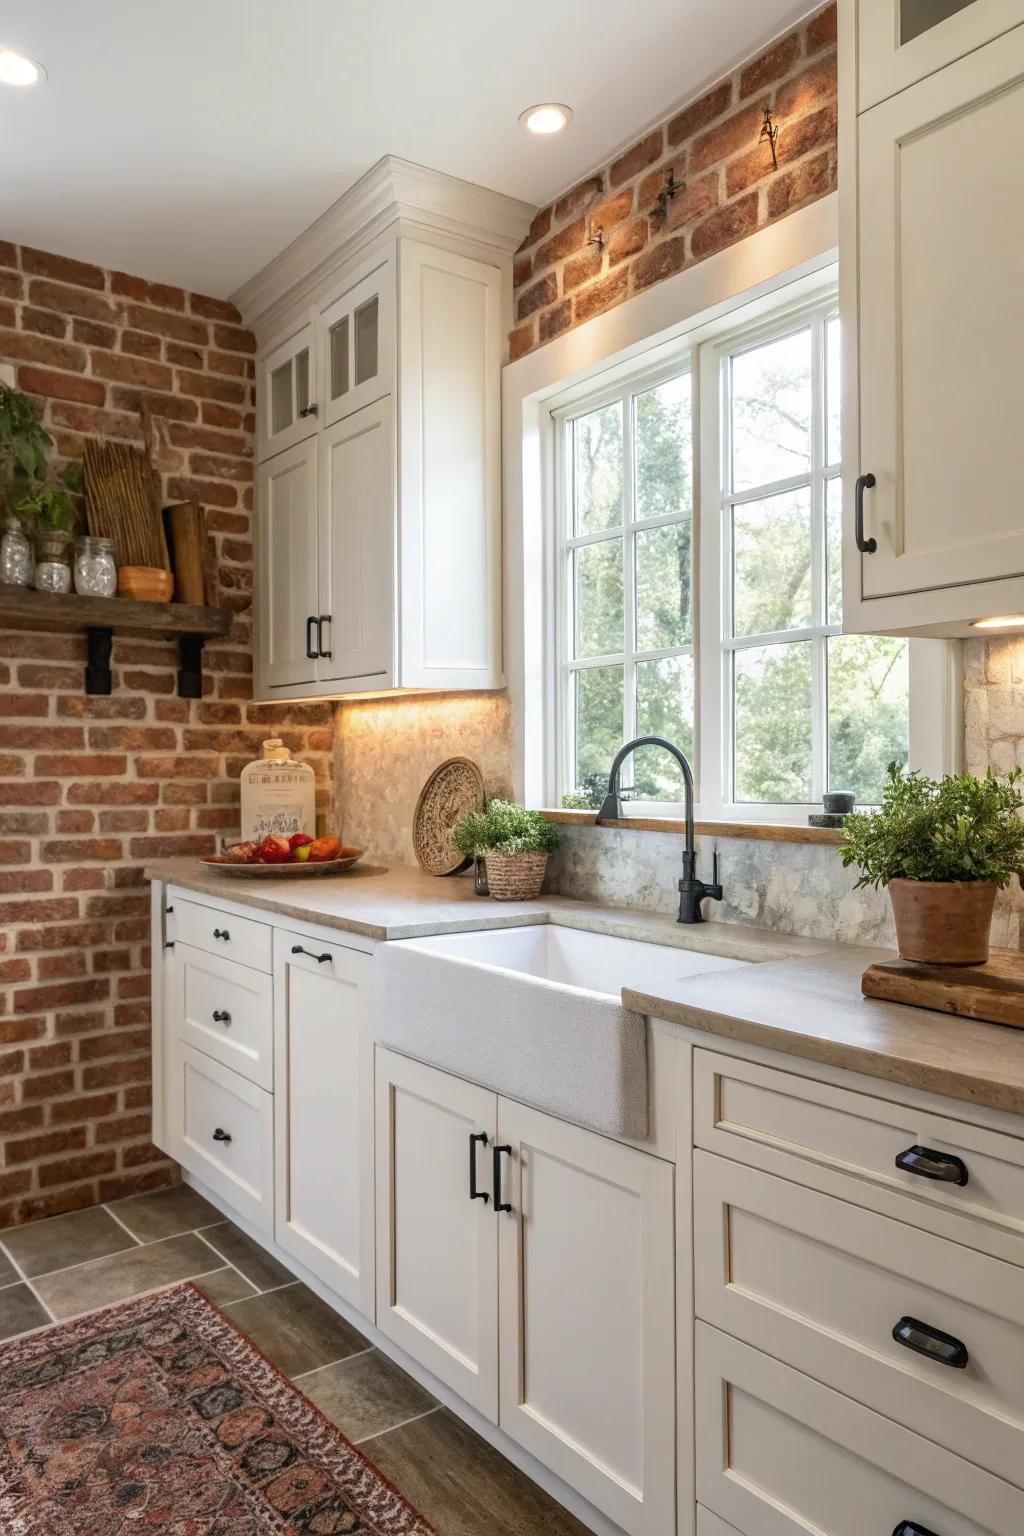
90	788
729	188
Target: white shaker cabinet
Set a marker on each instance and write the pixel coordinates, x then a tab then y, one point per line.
437	1238
286	544
932	278
408	282
323	1118
901	41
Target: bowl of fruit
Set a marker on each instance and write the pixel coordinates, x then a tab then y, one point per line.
292	856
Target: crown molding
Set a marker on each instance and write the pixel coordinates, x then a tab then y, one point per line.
392	190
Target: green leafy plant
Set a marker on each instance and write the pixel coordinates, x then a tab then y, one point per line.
23	443
956	828
48	504
503	828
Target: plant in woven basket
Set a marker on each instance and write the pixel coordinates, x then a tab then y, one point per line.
942	847
515	844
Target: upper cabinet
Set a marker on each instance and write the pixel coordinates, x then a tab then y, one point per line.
902	41
378	505
932	282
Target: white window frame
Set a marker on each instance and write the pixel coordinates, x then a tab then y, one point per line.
636	382
934	726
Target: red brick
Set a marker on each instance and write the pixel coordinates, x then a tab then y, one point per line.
821	29
14	851
213	309
537	297
84	766
234	338
699	114
93	334
580	269
162	323
62	268
13	705
62	994
563	244
31	792
29	1149
638	158
578	199
61	966
813	178
132	370
66	1111
539	227
228	391
694	200
522	270
72	301
22	348
807	91
737	132
612	211
85	1165
142	1183
76	849
43	322
664	259
771	66
725	227
626	240
95	422
554	321
140	343
599	296
56	909
160	294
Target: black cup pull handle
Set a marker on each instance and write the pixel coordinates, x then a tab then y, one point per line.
931	1342
499	1203
324	618
474	1193
221	933
311	650
221	1016
929	1164
220	1135
863	483
297	949
911	1528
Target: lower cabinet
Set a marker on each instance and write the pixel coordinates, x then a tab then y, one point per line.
221	1127
530	1265
323	1122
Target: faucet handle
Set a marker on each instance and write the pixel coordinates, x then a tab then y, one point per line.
714	867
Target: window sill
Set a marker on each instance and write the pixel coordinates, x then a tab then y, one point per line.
757	831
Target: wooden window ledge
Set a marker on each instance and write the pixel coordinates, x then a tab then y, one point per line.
757	831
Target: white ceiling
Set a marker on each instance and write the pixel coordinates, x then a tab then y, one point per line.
188	141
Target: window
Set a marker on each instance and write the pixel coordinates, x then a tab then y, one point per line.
625	557
750	672
804	708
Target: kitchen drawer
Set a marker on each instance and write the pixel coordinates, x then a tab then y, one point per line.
846	1143
222	933
237	1163
226	1011
781	1455
821	1284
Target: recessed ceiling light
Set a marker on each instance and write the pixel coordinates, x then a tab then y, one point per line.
18	69
546	117
1004	621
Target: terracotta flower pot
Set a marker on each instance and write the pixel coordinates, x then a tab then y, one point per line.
943	922
516	876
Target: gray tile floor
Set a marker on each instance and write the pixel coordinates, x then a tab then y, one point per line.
68	1265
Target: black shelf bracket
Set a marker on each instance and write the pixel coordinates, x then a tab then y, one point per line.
98	677
190	676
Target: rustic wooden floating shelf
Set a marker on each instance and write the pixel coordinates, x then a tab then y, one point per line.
99	617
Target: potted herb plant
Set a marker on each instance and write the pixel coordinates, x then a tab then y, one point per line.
943	848
514	844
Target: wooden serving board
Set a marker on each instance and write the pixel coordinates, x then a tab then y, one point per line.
994	992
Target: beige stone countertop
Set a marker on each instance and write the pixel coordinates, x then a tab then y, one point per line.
406	903
814	1008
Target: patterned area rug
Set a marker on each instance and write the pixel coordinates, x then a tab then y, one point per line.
158	1415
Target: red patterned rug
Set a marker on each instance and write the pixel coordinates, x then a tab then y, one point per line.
158	1415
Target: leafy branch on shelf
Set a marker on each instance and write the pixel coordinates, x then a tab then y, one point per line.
29	489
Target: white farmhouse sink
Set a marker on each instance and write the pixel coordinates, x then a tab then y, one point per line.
533	1013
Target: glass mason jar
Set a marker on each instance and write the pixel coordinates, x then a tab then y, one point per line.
95	567
15	555
53	560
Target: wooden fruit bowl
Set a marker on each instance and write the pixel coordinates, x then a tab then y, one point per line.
146	583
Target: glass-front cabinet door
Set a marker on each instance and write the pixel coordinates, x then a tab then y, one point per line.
357	341
902	41
287	406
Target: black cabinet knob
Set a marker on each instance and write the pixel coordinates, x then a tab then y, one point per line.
308	410
221	933
943	1167
220	1135
221	1016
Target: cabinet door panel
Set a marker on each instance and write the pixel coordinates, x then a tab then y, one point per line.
437	1264
287	572
902	41
285	390
324	1122
224	1010
357	548
357	343
222	1130
941	294
587	1314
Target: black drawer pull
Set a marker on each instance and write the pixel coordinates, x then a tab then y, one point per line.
325	618
169	944
941	1347
929	1164
474	1193
221	1016
499	1204
297	949
311	650
220	1135
911	1528
221	933
863	483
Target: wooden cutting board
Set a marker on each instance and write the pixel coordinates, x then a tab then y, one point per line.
994	991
